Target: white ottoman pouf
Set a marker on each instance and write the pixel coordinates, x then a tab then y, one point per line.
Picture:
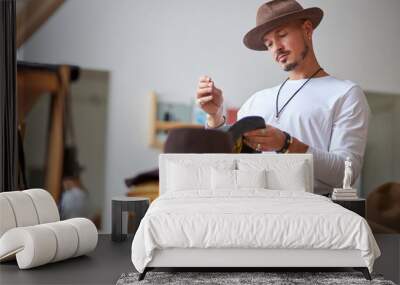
7	219
87	235
45	205
23	209
31	232
67	239
32	246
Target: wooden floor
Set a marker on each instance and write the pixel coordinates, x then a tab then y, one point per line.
111	259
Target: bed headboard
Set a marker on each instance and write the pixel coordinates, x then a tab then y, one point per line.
164	158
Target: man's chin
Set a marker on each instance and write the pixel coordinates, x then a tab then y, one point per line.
289	66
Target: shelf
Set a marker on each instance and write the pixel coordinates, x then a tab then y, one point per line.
168	125
157	126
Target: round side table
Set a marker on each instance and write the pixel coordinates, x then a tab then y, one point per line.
136	205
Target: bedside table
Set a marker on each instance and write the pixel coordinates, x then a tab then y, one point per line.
136	205
356	205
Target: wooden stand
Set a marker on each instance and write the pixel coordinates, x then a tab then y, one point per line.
33	81
137	205
355	205
157	125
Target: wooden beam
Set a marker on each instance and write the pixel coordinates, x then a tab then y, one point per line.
31	85
32	15
169	125
55	149
153	119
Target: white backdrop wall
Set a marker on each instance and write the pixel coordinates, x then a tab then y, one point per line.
166	45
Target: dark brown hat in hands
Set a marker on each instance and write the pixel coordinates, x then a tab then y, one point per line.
273	14
195	140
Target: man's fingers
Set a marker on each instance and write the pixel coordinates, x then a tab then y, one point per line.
259	139
263	145
206	90
203	91
258	132
204	100
205	78
205	84
250	144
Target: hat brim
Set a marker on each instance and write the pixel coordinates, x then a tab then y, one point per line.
254	38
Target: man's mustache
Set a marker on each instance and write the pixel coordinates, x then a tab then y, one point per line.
281	53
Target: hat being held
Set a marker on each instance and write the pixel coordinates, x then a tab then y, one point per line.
196	140
273	14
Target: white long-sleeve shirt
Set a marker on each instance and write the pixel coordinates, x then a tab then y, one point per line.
330	115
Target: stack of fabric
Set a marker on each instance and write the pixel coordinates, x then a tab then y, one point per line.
344	194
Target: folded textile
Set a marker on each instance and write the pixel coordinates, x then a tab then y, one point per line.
151	175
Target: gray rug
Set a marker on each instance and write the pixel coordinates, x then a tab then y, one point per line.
229	278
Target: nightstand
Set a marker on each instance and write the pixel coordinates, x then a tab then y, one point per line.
355	205
136	205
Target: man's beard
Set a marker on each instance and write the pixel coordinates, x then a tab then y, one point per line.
293	65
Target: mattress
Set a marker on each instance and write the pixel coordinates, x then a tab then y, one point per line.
251	219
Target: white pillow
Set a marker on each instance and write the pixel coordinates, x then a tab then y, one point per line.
280	174
251	178
193	175
293	179
222	179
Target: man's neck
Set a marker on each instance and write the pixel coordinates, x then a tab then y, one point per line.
306	69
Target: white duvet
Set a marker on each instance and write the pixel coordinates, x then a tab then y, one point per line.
250	219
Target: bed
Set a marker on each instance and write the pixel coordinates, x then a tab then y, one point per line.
247	210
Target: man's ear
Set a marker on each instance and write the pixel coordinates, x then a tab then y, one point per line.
308	29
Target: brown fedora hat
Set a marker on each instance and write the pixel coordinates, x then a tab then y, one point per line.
274	13
195	140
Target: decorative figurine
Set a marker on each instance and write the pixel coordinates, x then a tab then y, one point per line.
346	193
348	174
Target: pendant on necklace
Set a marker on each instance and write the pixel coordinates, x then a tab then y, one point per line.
276	119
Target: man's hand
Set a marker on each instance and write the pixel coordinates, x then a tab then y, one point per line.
267	139
272	139
210	100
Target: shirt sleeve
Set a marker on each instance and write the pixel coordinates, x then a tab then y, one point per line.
348	139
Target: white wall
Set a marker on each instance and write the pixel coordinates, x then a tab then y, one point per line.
167	45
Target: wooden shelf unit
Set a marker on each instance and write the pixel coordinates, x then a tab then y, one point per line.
157	125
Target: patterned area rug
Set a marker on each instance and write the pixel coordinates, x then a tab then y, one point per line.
230	278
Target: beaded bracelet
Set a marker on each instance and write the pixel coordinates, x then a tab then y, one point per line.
223	116
286	145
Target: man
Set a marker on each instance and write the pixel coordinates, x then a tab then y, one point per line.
312	111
